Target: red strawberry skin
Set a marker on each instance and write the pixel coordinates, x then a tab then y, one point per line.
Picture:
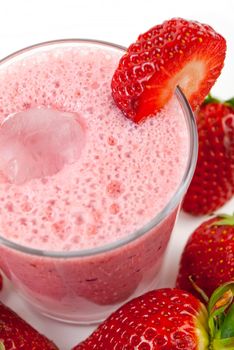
16	334
213	181
162	319
177	52
208	258
1	282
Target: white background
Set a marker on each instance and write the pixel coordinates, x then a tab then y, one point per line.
26	22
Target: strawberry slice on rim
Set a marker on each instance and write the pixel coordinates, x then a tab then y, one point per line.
178	52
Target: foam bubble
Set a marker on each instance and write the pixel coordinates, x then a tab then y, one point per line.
123	177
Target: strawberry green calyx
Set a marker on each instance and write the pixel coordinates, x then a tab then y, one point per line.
230	102
212	99
221	317
220	344
2	347
225	219
227	329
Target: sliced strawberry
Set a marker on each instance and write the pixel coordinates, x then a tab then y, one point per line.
178	52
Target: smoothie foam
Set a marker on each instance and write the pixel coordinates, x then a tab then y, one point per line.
122	176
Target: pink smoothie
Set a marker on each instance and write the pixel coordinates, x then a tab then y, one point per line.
76	174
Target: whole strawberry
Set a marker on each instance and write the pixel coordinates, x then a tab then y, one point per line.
177	52
213	181
155	320
168	319
16	334
208	256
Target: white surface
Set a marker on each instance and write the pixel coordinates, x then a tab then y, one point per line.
27	22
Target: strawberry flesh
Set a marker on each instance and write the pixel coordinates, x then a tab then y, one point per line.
15	333
213	181
178	52
208	257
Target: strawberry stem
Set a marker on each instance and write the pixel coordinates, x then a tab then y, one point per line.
221	298
221	317
199	290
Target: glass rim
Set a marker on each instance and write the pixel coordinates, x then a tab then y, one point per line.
170	206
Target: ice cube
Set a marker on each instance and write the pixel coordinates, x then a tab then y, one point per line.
38	143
